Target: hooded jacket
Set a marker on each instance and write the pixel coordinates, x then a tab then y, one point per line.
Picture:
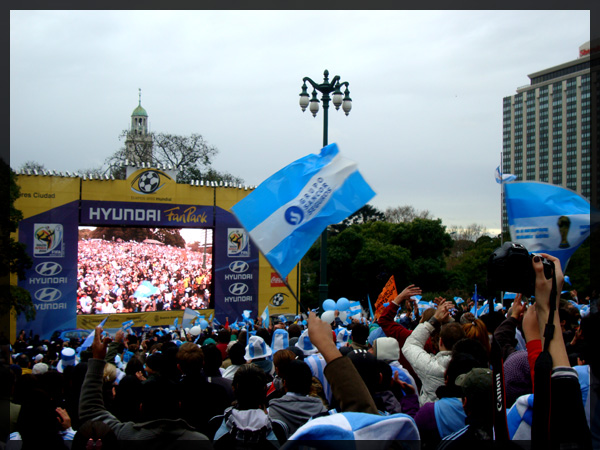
295	410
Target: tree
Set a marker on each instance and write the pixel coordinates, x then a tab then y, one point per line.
33	166
367	213
191	155
464	238
15	259
406	213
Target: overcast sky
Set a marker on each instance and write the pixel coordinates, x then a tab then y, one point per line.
426	87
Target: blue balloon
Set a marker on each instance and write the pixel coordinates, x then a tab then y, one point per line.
342	304
328	305
203	324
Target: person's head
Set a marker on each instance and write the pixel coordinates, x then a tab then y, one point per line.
134	366
427	314
450	334
250	387
38	422
190	359
477	330
478	394
294	330
236	354
94	434
366	365
385	376
297	377
281	358
459	364
386	349
473	348
264	334
360	333
467	317
517	376
213	359
224	336
22	361
155	363
160	399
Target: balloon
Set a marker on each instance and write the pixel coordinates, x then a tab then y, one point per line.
203	324
328	316
343	315
328	305
342	304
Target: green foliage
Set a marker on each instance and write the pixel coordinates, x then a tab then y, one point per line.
168	236
14	258
578	270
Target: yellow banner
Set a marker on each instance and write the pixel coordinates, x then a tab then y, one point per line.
43	193
153	319
273	292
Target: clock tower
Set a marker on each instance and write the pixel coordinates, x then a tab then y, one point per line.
139	143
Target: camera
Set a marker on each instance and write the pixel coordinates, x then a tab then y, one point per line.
510	269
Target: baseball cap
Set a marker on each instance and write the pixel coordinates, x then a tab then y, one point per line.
477	382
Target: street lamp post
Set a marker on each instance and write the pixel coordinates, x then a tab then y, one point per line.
338	100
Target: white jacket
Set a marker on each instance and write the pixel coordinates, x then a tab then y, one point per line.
430	368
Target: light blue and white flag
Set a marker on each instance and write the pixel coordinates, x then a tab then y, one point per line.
458	300
265	316
127	325
547	219
246	314
483	309
145	289
89	340
354	309
503	177
189	316
288	211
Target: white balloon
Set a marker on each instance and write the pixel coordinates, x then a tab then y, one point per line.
343	315
328	316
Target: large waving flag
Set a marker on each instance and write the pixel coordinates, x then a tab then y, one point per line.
89	340
288	211
547	218
145	289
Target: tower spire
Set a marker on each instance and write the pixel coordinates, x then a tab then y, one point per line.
140	95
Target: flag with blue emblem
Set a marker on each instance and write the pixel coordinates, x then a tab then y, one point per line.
288	212
503	177
189	317
547	219
145	289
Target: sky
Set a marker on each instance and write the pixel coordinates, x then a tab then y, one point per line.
426	88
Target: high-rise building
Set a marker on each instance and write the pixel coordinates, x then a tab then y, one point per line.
547	127
139	143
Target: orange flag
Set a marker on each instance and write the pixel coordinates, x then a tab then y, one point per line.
388	294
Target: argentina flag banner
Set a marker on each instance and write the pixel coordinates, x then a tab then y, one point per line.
286	214
546	218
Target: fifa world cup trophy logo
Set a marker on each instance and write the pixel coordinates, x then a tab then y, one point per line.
564	223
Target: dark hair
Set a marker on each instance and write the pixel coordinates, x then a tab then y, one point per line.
386	374
360	333
160	399
264	333
213	358
366	365
190	358
134	365
97	431
451	333
38	422
459	363
297	377
224	336
473	348
294	330
236	354
250	387
23	361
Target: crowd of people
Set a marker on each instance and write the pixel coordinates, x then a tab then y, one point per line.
110	273
427	380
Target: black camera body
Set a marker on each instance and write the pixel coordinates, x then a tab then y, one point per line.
510	269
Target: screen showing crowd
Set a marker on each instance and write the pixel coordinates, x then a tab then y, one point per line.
132	270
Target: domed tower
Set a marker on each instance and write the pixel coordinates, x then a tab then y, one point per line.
139	143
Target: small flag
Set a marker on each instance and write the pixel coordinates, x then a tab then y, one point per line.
288	212
354	309
210	318
246	314
475	300
483	309
503	177
547	218
127	325
89	340
388	294
176	322
265	316
371	315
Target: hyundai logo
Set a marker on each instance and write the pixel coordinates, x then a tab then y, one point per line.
238	289
48	269
239	266
47	295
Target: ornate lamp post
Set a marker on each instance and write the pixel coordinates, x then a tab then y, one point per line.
338	100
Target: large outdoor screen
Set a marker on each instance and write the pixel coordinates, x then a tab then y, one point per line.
135	270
